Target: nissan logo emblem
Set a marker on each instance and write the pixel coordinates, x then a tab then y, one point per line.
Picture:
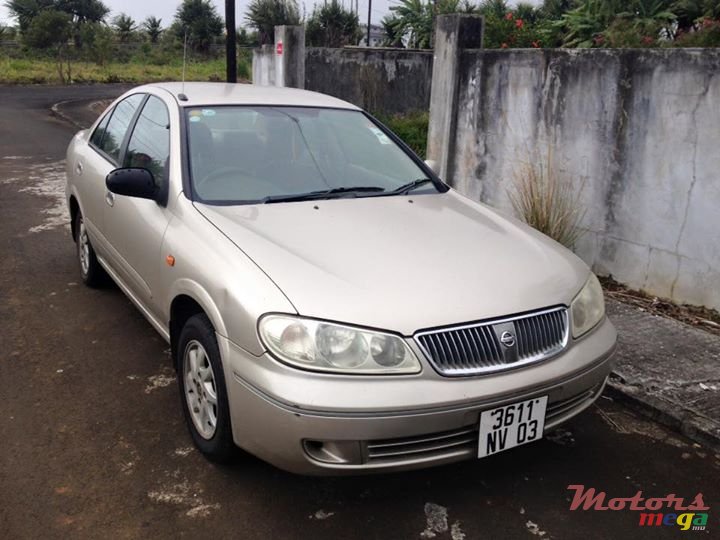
507	339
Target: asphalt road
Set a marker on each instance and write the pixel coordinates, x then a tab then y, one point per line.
93	443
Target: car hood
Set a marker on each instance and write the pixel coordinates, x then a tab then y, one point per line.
402	263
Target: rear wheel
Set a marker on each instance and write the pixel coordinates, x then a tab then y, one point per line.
202	390
92	274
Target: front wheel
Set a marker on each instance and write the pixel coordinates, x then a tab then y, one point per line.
202	390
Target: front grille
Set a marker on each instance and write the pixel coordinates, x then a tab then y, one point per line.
496	345
456	442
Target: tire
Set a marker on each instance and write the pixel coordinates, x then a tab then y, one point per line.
91	273
201	382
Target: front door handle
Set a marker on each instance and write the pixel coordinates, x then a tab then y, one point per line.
79	168
110	198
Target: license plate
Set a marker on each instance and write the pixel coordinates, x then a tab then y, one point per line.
511	425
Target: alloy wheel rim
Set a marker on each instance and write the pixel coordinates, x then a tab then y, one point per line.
200	389
84	249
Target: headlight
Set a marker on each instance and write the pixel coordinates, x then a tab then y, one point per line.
323	346
588	308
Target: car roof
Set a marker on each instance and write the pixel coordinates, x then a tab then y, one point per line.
200	93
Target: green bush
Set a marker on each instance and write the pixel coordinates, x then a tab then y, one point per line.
707	35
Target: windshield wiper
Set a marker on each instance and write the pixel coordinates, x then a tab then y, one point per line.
407	188
322	194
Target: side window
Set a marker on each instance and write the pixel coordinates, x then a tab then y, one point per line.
118	125
99	133
149	146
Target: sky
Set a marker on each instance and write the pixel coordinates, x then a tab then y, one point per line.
165	9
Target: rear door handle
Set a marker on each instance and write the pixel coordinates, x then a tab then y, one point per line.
79	168
110	198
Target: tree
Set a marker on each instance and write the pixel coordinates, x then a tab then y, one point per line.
587	24
691	13
24	11
415	19
332	26
79	11
494	8
527	12
51	29
153	28
392	38
555	9
98	39
265	15
124	27
200	21
247	39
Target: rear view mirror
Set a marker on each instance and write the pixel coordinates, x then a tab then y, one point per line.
132	182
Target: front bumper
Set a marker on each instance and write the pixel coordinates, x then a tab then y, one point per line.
311	423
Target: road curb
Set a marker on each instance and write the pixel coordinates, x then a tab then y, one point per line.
693	426
56	110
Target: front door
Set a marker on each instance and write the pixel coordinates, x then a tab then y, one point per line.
135	227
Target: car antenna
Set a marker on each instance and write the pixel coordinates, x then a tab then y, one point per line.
181	95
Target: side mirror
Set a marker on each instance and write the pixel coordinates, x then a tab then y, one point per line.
132	182
432	165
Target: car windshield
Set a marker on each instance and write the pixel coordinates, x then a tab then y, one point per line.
272	154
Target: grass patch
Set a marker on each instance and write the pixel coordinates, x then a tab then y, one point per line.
548	200
42	71
412	128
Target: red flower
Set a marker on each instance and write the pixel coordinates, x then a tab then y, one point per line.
509	16
504	46
536	44
647	40
519	23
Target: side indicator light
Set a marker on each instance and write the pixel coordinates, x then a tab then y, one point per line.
170	260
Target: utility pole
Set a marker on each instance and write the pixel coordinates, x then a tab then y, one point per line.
368	30
231	41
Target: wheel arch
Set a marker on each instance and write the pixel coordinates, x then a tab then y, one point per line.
189	299
74	207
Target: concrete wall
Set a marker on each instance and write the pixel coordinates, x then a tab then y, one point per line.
380	80
638	129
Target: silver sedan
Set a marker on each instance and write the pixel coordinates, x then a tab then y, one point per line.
331	305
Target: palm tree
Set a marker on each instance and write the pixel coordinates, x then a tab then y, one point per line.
393	38
265	15
153	28
124	26
416	19
332	26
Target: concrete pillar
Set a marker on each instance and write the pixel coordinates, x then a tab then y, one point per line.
453	33
263	65
290	56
